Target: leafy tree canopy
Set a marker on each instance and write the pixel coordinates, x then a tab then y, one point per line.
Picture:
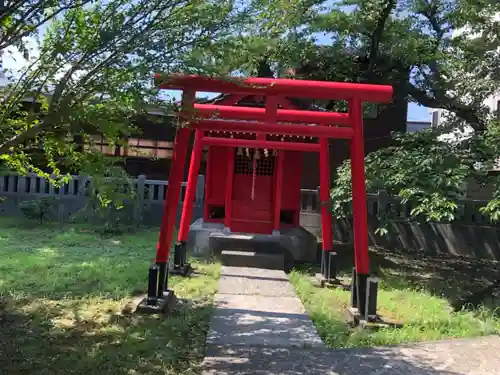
451	50
446	53
89	51
92	69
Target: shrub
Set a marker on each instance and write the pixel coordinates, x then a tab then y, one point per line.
107	195
39	208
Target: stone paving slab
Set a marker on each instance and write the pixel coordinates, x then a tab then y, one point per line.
284	305
480	356
259	307
267	332
255	285
249	320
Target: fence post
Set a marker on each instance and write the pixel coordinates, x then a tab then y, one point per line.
200	190
382	200
32	179
139	206
21	189
71	186
52	190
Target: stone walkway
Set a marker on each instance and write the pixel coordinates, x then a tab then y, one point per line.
257	307
260	327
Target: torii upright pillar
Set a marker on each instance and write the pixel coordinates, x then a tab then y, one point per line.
181	266
328	256
360	282
159	296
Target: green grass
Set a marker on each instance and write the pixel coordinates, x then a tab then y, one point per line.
425	311
65	295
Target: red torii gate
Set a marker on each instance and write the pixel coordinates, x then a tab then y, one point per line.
323	125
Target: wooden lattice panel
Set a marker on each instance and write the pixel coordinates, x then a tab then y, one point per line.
244	164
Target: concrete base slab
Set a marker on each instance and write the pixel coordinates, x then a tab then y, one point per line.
338	283
375	322
163	305
297	244
479	356
184	270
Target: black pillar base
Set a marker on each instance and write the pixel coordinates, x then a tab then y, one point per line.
159	298
363	309
354	289
359	293
181	266
328	275
160	305
162	278
361	285
184	271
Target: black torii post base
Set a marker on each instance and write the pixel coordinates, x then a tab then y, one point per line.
328	276
363	303
181	266
159	299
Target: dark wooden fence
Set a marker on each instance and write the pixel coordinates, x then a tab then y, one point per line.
471	234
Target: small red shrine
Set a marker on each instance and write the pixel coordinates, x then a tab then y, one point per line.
253	176
252	198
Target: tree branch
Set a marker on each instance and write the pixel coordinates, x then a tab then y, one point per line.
25	135
17	32
467	113
377	35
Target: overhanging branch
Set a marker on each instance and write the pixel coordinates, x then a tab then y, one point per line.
469	114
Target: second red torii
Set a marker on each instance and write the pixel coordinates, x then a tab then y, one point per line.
205	118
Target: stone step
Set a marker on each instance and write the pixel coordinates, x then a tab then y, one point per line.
252	259
245	242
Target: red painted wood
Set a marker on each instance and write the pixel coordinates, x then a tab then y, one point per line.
290	129
287	115
229	187
324	192
279	173
360	224
272	145
255	216
172	195
250	213
194	167
208	182
252	216
215	194
176	175
279	86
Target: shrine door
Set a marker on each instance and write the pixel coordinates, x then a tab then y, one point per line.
253	193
